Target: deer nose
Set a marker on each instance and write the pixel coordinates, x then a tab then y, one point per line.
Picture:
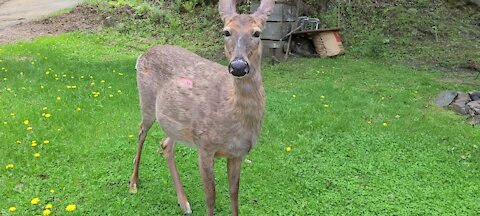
238	67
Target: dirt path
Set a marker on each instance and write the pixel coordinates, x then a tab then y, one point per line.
13	12
25	19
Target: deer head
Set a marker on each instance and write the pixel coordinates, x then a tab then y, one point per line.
242	35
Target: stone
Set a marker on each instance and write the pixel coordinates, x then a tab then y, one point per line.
445	98
460	102
475	96
473	110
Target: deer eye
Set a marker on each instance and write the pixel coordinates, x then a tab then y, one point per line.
256	34
226	33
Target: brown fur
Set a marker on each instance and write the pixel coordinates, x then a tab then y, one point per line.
197	102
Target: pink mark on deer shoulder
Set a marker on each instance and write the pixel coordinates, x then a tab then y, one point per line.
186	82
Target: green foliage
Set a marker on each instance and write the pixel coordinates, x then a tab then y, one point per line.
343	160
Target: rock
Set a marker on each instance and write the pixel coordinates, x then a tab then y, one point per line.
445	98
460	102
475	96
473	110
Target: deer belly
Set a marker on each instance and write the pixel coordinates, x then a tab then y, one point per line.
176	130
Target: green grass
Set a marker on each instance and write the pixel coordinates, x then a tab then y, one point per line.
426	160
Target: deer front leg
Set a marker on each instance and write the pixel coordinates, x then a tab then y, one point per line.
234	166
206	163
168	146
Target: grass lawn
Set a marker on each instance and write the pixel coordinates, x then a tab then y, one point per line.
364	136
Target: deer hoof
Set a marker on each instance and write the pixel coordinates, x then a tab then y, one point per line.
186	210
133	188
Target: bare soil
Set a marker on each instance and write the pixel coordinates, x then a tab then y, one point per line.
82	17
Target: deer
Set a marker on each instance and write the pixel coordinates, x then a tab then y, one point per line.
197	102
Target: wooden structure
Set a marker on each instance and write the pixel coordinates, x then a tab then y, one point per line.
282	20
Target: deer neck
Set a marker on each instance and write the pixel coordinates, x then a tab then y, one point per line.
249	99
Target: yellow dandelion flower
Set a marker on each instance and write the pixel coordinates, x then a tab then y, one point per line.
26	122
29	128
12	209
33	62
37	155
5	122
42	87
35	201
110	95
46	142
5	79
92	83
326	105
64	75
18	142
34	144
43	114
47	72
48	206
45	58
288	149
56	78
47	212
78	109
385	124
48	115
130	136
294	96
59	98
369	122
120	74
81	77
109	87
71	207
12	114
103	81
52	191
119	91
9	166
322	97
44	108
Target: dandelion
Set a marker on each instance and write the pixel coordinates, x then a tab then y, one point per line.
42	87
120	74
119	91
12	209
59	98
322	97
52	191
48	206
294	96
47	72
96	94
103	81
9	166
33	62
12	114
109	87
44	108
71	207
47	212
92	83
43	114
326	105
385	124
130	136
18	142
48	115
82	77
369	122
37	155
45	58
110	95
35	201
29	128
288	149
5	79
26	122
78	109
46	142
34	143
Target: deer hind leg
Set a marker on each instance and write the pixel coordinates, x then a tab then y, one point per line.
168	146
234	166
145	125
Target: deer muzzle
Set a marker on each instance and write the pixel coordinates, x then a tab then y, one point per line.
238	67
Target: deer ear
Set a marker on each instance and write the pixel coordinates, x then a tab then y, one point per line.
264	10
227	8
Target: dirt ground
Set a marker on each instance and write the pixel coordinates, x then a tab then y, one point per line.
18	24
